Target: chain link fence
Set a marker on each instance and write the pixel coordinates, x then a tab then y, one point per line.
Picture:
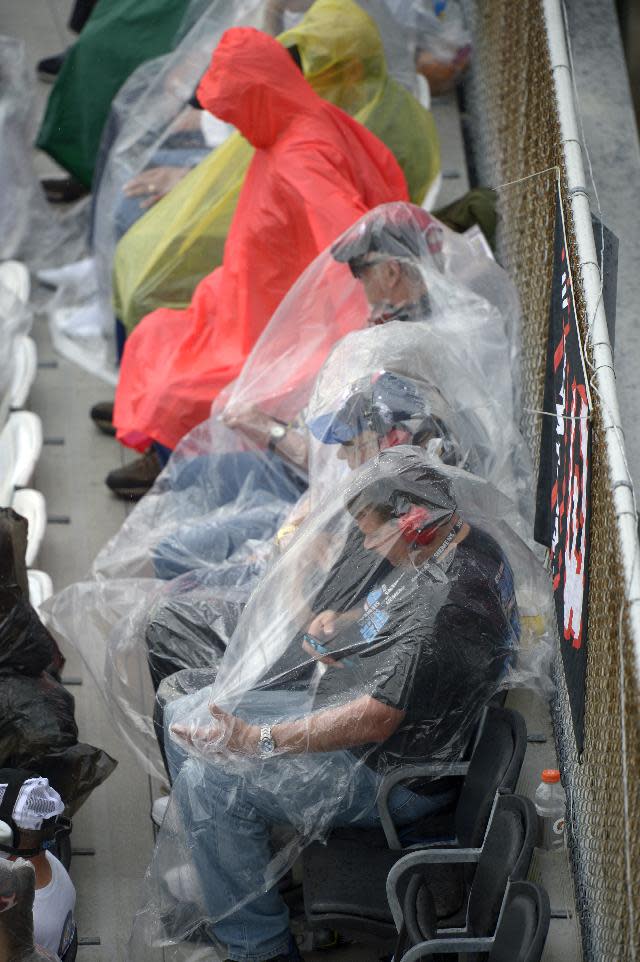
514	124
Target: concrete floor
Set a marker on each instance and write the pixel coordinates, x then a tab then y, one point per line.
114	824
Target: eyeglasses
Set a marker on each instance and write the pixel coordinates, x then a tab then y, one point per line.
358	267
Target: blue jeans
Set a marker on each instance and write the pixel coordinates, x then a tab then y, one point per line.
222	479
130	209
229	817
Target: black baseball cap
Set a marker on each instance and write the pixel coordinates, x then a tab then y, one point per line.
391	231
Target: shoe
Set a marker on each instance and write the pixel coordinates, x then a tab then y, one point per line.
135	479
182	882
159	810
63	190
102	416
49	68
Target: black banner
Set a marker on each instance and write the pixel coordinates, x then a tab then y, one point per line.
563	510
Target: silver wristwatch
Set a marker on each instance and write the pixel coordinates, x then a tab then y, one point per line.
266	744
276	434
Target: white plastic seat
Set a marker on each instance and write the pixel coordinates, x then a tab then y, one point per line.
25	364
40	587
14	277
15	314
32	506
7	466
20	447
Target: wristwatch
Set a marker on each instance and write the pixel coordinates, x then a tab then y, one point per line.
276	433
266	744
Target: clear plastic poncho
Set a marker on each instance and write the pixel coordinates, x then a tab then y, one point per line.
406	600
209	521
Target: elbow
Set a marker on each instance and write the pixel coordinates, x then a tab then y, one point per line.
384	722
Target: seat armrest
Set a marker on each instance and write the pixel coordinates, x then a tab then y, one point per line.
431	856
446	946
405	774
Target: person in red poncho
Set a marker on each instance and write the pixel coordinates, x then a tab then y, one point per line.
315	171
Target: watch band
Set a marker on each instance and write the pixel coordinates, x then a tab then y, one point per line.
276	434
266	743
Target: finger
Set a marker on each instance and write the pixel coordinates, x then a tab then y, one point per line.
150	201
183	732
218	712
141	190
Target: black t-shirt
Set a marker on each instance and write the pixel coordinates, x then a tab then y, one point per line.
432	642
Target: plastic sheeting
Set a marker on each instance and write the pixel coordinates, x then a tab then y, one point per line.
22	199
175	363
401	606
196	525
38	730
181	238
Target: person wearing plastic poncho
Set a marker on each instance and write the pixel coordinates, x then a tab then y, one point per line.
159	262
314	172
336	675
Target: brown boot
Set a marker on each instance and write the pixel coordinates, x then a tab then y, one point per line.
135	479
102	416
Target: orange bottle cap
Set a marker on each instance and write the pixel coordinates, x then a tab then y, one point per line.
550	776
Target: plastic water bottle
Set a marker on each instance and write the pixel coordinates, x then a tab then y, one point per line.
551	804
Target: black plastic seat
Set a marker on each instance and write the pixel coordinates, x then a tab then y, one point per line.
344	881
504	859
520	935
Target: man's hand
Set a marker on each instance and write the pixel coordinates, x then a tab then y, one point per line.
329	623
324	625
250	420
227	734
154	183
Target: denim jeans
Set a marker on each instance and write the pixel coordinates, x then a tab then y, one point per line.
130	209
230	817
254	476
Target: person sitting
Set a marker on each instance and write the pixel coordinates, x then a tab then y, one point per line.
384	661
175	363
191	623
29	818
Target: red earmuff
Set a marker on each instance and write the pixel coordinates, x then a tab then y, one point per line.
417	526
394	437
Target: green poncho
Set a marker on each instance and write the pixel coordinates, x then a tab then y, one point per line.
118	37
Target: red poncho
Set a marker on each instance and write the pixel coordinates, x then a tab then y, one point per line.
315	171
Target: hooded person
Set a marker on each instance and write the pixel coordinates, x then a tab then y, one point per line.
161	259
337	674
119	35
314	172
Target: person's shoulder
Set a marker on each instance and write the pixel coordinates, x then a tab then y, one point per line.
480	542
59	874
